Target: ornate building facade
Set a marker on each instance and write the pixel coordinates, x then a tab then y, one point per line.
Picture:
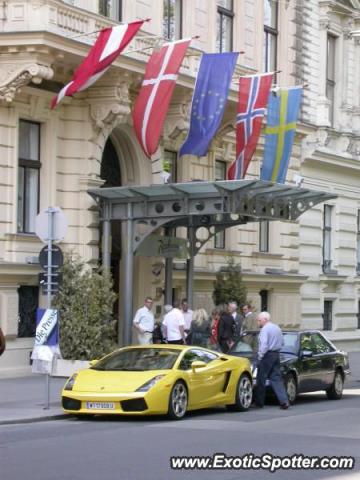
305	273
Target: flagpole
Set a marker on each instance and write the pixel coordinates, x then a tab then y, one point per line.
153	46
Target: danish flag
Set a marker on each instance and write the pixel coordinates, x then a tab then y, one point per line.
109	44
155	94
253	98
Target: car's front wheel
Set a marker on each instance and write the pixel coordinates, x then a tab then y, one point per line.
335	392
291	388
243	395
178	401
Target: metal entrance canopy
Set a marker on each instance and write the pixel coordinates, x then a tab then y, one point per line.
213	205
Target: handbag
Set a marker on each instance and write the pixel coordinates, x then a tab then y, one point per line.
2	342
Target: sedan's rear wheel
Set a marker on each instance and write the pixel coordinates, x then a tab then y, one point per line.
178	401
243	395
291	388
335	392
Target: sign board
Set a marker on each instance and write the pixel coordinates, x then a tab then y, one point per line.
163	246
55	281
59	224
57	257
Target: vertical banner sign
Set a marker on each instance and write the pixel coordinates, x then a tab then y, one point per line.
47	327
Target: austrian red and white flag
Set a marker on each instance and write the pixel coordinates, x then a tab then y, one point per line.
109	44
155	94
253	98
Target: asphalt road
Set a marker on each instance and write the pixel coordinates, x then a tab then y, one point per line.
140	449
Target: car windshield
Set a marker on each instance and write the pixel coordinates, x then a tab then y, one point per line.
248	343
138	360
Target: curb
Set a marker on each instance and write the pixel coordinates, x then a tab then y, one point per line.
19	421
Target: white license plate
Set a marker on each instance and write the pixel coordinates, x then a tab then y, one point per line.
100	405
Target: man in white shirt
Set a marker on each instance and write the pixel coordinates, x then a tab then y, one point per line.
144	322
173	326
188	314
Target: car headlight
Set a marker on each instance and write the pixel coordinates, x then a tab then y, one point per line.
70	383
150	383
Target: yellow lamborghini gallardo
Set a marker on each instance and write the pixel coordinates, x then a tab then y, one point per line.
159	379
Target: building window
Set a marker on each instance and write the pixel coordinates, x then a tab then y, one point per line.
104	8
111	9
28	303
358	244
220	174
170	165
224	30
327	238
327	315
330	75
29	176
270	35
264	236
172	19
264	299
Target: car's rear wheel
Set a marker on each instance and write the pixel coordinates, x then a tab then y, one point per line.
178	401
335	392
243	395
291	388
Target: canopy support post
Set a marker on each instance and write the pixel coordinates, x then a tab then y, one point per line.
127	303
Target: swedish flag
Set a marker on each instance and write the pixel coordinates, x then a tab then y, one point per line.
283	111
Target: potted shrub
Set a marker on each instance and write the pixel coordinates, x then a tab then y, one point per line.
85	302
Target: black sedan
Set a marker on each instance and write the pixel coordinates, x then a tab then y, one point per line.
309	362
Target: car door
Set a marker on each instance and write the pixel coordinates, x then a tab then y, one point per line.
204	383
326	355
309	378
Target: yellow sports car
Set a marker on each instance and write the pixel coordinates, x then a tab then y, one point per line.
159	379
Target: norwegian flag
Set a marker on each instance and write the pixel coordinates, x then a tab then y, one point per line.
109	44
155	94
253	98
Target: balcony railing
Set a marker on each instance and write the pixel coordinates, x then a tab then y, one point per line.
55	16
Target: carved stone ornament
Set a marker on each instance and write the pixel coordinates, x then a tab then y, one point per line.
13	77
177	120
109	106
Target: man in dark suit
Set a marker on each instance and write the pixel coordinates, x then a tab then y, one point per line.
229	327
225	331
237	319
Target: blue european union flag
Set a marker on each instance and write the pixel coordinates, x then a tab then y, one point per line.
283	110
209	99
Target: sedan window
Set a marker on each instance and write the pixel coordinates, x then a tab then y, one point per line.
138	359
306	342
320	344
196	355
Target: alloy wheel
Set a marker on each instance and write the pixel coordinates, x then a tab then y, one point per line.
179	399
245	392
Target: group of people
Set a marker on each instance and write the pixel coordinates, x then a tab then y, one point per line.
181	326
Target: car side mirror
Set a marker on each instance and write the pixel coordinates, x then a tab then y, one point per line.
306	353
197	364
93	362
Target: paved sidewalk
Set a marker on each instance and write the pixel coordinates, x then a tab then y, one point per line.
22	399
